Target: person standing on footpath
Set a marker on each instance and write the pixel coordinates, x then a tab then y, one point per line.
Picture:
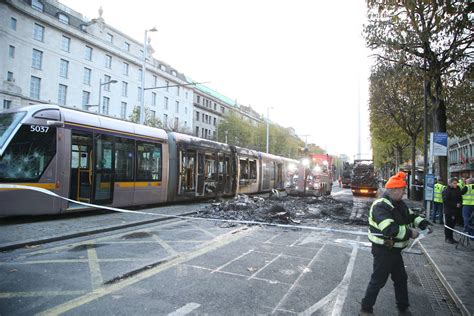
391	225
452	200
468	205
438	202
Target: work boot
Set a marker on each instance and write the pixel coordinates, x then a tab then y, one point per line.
364	312
405	312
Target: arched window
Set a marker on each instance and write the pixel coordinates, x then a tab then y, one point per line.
63	18
37	5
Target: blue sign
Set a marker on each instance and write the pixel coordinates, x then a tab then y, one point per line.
439	143
429	187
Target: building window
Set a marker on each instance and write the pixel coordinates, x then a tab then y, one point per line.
11	51
173	72
107	79
13	24
215	120
167	86
140	75
153	114
177	107
185	124
176	122
163	67
197	116
139	94
37	5
63	68
62	94
125	69
38	32
186	94
110	38
7	104
108	61
9	76
37	59
198	99
153	98
105	105
86	96
35	87
165	120
185	110
88	53
222	109
63	18
177	91
197	131
124	89
123	110
203	117
166	103
155	81
87	76
65	43
126	46
215	106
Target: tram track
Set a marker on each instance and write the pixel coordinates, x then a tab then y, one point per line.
92	232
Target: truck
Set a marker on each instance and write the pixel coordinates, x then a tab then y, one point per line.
314	176
346	175
364	180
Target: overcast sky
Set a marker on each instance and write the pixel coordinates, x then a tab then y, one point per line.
305	59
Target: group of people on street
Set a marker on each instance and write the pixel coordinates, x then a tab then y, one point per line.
392	224
456	202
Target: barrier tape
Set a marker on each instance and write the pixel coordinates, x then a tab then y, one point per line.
457	231
50	193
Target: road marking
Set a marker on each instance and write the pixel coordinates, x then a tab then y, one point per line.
290	290
340	291
204	231
52	261
231	261
261	269
94	267
271	238
163	244
40	294
217	243
283	255
186	309
299	239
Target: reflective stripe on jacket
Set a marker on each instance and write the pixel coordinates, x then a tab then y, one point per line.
393	222
438	189
468	197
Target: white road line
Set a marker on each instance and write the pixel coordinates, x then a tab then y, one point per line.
233	260
271	238
298	240
261	269
290	290
186	309
94	267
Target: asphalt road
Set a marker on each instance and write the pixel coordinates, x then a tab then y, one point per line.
181	267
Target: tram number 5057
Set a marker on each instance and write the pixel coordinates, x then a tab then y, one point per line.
39	129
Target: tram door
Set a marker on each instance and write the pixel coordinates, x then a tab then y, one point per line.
200	175
104	170
81	167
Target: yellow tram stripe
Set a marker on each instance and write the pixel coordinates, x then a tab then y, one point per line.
138	184
47	186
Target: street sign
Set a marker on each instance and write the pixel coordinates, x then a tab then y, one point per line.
439	144
429	187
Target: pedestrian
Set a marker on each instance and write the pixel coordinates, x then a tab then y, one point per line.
452	200
468	205
390	222
438	202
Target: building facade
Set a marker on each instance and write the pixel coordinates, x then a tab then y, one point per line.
52	54
461	157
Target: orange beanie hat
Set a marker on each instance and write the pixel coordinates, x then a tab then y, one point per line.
396	181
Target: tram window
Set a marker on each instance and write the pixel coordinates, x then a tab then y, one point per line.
8	122
148	161
124	155
188	170
28	154
210	168
252	169
244	172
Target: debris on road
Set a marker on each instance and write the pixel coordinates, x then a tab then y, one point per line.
288	210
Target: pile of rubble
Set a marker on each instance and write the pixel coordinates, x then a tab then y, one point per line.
287	210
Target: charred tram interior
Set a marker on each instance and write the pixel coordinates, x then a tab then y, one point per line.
101	160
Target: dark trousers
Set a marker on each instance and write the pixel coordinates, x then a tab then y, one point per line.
450	221
438	209
387	262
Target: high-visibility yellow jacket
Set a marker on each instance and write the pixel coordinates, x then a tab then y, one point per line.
391	220
468	194
438	190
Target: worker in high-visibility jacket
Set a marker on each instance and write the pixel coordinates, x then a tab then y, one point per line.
438	202
468	206
391	225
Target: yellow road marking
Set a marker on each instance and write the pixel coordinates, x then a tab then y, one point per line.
214	244
40	294
94	267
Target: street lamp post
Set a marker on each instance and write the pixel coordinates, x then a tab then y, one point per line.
142	103
100	91
268	126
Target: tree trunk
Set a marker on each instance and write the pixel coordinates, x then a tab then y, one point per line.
440	126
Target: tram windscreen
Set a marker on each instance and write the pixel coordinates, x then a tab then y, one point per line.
28	154
8	122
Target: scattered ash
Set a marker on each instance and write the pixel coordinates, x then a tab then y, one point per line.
288	210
